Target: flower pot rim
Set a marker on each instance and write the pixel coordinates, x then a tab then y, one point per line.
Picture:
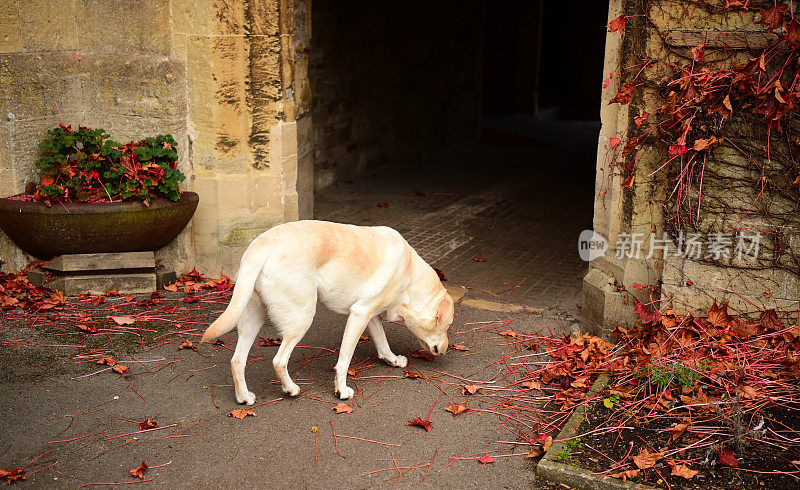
8	203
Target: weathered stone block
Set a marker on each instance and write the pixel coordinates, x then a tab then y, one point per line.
124	27
33	83
101	283
10	36
46	25
141	85
747	291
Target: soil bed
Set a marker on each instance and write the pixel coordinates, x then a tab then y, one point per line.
761	464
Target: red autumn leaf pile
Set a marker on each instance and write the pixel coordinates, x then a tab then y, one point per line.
194	282
17	292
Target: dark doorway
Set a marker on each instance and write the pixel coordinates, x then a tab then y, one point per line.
469	126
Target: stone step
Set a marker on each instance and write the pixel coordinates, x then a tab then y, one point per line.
102	261
143	282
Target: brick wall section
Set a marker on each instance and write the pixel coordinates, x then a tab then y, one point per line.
391	81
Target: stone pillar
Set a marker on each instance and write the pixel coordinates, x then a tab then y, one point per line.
243	136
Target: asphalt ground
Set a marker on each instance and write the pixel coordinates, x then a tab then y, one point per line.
81	420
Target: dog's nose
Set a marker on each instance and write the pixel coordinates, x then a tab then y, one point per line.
436	349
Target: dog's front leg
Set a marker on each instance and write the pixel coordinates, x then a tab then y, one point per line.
356	324
382	345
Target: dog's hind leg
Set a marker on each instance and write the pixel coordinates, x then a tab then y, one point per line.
294	324
249	325
382	345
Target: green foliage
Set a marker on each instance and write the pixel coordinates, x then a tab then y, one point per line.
678	373
566	450
85	166
610	401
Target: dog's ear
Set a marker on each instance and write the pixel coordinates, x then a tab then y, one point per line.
445	309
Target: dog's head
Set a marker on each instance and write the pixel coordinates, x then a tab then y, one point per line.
430	325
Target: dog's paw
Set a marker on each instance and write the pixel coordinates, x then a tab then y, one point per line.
292	389
248	398
398	361
345	393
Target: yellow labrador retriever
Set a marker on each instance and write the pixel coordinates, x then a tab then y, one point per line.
355	270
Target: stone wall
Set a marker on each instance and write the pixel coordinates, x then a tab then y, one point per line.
217	74
391	81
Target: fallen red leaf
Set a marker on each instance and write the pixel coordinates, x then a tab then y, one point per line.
459	347
727	457
479	258
718	315
342	408
138	472
469	389
534	453
107	360
190	299
509	333
187	344
123	320
425	424
646	459
625	474
96	300
382	205
172	287
241	413
148	424
12	475
412	375
87	328
456	408
419	193
264	342
682	470
487	458
613	142
533	385
423	354
119	368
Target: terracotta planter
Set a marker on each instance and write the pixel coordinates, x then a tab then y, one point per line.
94	228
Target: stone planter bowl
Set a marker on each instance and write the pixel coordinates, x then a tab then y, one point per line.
73	228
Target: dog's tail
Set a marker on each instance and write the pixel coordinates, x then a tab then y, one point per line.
249	269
